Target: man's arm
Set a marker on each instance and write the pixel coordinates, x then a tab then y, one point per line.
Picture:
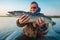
23	20
43	30
46	28
20	25
42	26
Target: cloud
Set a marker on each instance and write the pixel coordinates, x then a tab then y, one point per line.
51	12
48	7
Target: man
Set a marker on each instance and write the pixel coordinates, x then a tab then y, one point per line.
32	31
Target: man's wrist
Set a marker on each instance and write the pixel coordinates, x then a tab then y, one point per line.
42	28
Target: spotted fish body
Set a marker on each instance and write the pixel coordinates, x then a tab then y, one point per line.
33	17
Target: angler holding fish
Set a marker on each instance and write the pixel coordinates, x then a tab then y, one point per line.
34	23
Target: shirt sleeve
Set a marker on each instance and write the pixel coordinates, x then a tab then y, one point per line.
42	28
20	25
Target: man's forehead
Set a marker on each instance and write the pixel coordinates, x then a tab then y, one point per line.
33	5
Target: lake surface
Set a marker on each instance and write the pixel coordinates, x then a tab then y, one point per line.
8	26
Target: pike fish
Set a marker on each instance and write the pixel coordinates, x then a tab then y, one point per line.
34	17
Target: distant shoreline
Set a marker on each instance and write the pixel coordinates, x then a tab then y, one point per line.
49	16
54	16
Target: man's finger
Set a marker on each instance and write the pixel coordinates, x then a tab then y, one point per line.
42	19
26	20
37	22
22	16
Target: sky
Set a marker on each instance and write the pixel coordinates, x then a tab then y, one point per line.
48	7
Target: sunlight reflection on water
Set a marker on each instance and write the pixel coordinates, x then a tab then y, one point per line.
8	24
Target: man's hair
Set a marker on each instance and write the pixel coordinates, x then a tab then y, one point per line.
35	3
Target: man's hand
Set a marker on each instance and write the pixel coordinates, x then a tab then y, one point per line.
24	19
40	22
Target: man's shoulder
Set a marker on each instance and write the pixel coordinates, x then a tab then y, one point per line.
41	14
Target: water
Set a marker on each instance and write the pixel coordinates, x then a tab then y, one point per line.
8	26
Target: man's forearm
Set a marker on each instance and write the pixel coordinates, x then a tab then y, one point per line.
46	28
42	28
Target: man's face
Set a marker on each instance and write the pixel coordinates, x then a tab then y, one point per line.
33	8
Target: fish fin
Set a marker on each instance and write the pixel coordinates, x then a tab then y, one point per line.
53	23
